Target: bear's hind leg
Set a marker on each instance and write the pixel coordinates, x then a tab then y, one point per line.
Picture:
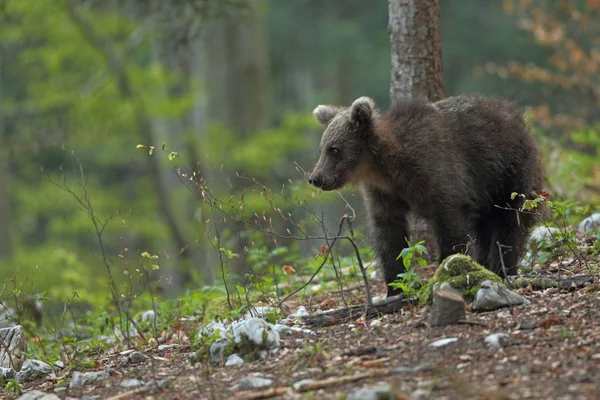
506	240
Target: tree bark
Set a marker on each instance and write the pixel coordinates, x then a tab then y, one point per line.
416	67
416	51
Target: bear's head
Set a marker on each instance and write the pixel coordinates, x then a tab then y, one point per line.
345	143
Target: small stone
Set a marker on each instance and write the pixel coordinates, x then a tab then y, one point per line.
420	394
234	359
492	295
590	224
284	329
136	357
302	312
164	347
32	370
126	352
298	385
59	364
131	383
372	393
38	395
252	382
376	299
13	344
443	342
79	379
218	350
496	340
375	323
148	316
160	384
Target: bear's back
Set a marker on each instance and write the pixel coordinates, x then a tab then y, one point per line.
496	144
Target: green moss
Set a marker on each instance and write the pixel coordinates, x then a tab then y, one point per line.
462	273
218	308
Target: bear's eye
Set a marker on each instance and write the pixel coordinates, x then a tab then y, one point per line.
334	150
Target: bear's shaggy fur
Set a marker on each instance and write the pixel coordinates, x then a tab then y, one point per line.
454	163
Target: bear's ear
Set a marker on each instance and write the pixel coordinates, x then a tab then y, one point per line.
324	114
362	110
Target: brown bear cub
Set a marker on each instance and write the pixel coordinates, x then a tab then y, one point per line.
454	163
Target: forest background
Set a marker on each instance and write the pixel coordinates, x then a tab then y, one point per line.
171	138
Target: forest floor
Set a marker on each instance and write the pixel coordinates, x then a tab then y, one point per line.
552	351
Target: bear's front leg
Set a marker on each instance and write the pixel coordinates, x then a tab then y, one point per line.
389	229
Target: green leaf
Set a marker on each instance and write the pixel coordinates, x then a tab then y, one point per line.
151	151
172	155
513	195
164	144
155	267
140	146
145	254
406	260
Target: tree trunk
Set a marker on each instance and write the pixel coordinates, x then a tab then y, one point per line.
416	67
416	51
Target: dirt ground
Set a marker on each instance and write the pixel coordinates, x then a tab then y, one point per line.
552	352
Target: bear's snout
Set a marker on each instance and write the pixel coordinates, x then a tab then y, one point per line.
316	181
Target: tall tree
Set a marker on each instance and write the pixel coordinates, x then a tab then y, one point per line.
414	27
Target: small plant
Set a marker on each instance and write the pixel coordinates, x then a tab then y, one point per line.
410	281
13	386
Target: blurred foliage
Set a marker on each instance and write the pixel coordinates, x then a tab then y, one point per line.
87	81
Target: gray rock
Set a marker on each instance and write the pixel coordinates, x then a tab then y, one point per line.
284	329
420	394
218	350
136	357
543	233
252	382
13	345
234	359
38	395
79	379
382	392
164	347
496	340
6	373
590	224
298	385
32	370
257	332
157	384
59	364
443	342
131	383
148	316
492	296
302	312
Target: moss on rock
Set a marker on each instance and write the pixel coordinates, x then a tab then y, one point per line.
460	272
